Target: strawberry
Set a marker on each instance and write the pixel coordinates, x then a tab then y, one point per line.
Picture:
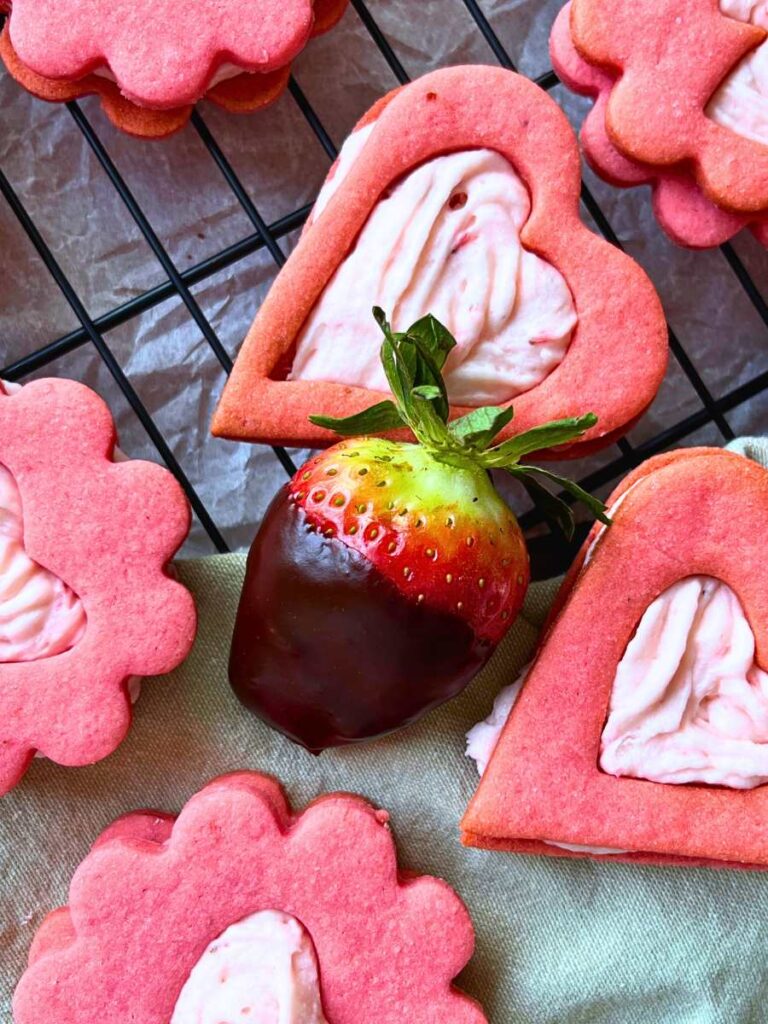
385	573
434	530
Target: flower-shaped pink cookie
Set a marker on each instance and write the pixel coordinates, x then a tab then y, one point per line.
85	600
695	133
175	921
150	62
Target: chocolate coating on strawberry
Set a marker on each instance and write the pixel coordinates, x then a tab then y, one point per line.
328	650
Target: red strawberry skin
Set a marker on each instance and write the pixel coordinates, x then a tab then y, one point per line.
439	533
379	583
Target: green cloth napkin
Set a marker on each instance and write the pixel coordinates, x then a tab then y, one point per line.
558	941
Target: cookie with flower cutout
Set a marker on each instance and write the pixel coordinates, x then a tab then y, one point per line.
662	756
151	62
87	606
268	916
693	128
457	196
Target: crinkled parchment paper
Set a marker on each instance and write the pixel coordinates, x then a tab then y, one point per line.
281	163
176	375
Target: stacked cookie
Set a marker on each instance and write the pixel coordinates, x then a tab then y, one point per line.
681	104
150	63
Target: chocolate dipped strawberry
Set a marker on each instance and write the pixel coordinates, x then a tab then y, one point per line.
385	573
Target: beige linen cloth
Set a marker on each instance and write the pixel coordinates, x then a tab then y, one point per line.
558	941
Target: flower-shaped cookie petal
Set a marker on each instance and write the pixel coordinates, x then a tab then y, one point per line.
616	355
151	64
154	893
681	208
667	59
691	513
107	530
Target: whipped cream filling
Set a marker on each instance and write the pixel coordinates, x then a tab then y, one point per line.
688	703
741	101
261	970
445	240
483	737
39	614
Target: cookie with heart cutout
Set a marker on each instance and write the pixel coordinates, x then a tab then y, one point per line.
86	602
688	89
153	63
456	195
268	913
643	738
682	209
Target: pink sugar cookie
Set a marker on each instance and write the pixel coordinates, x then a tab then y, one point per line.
683	211
92	538
683	514
163	918
617	353
150	63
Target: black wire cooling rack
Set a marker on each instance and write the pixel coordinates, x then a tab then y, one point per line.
178	283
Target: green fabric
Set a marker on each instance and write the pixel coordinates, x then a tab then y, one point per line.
558	941
755	448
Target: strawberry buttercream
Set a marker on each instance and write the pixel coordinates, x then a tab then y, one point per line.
444	240
39	614
261	969
741	102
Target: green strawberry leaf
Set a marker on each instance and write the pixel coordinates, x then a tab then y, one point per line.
435	339
428	391
374	420
548	435
427	373
555	511
412	363
479	427
595	506
399	374
381	319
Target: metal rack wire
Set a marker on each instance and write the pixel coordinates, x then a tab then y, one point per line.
266	236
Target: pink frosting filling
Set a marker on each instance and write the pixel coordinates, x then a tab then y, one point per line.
689	704
446	241
261	970
741	102
39	614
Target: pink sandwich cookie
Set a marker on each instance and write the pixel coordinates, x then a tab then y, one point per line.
86	604
457	196
646	738
240	910
695	130
151	62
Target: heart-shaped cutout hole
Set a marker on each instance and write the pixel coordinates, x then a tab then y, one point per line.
40	616
689	703
445	240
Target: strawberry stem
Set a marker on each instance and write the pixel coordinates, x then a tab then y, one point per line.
413	361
